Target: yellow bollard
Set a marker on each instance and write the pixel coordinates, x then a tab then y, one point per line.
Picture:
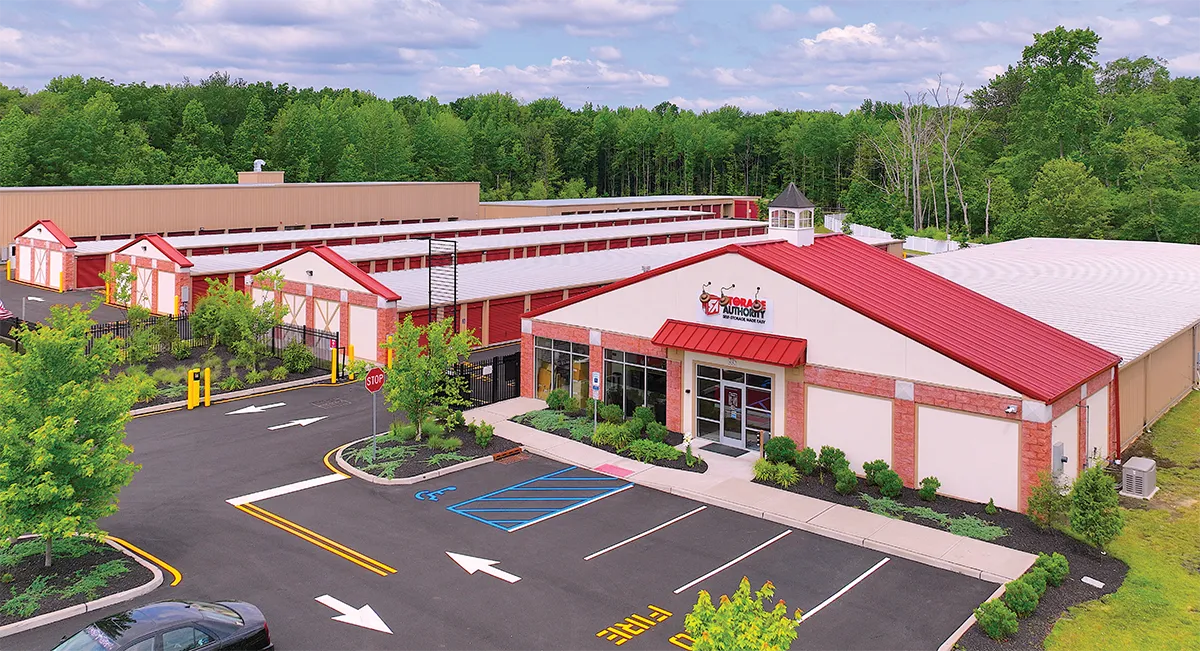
207	385
192	391
8	269
177	306
333	355
350	358
62	282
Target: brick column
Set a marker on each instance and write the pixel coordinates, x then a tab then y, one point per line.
385	325
527	370
674	395
793	411
904	440
70	281
1035	457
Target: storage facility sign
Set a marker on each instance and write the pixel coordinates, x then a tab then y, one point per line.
733	309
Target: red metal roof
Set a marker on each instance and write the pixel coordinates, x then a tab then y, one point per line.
345	266
162	245
54	230
999	342
727	342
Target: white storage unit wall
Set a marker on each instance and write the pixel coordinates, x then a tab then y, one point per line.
860	425
1064	445
364	332
975	457
1097	425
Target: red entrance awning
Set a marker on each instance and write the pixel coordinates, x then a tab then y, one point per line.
727	342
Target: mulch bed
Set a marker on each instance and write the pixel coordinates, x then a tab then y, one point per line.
1022	535
167	360
418	463
63	573
673	439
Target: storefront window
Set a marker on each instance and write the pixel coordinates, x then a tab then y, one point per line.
733	407
633	381
560	365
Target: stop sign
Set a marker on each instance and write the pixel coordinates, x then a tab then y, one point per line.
374	379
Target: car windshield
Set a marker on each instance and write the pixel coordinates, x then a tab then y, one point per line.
89	639
219	613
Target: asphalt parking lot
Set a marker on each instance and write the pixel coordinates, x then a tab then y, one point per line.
583	560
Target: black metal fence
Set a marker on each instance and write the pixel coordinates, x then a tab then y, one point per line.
323	344
182	326
492	380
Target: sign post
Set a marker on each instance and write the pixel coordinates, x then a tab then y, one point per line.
374	382
595	398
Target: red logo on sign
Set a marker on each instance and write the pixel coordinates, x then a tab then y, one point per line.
374	379
713	303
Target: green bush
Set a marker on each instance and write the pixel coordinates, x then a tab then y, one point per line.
402	432
558	400
545	420
648	451
256	377
279	373
764	470
1056	566
806	460
990	507
1095	512
889	482
779	449
786	475
972	527
166	332
928	490
1037	578
635	428
656	431
444	443
210	360
831	457
1020	597
579	428
590	405
455	420
483	434
233	382
845	481
612	435
871	470
997	620
170	375
689	457
298	358
432	428
612	414
644	414
1047	506
181	349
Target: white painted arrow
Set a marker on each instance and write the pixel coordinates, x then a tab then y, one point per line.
302	422
473	565
364	617
254	409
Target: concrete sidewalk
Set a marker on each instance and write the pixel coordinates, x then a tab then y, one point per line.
727	484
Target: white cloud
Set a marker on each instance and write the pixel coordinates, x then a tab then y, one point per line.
779	18
987	73
867	43
1121	29
845	90
1012	32
606	53
1161	21
1187	64
572	80
579	15
749	103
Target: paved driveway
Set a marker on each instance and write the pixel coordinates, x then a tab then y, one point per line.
583	560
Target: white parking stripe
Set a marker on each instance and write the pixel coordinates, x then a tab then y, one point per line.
844	590
643	534
731	563
284	490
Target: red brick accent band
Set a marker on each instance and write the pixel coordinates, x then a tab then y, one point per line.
527	365
674	388
1035	457
793	412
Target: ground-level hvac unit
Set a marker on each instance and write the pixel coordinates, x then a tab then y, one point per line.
1138	478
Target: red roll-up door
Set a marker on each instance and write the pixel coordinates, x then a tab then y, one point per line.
504	319
743	232
618	244
397	264
549	249
87	270
499	254
622	222
518	253
199	289
758	230
545	298
576	291
470	233
574	247
512	229
638	241
239	282
367	240
243	248
570	227
470	257
365	266
416	262
277	246
474	314
597	245
658	239
389	222
393	238
490	231
728	232
239	230
341	242
212	250
676	237
695	237
552	227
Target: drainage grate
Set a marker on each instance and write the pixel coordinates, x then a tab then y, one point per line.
514	458
331	403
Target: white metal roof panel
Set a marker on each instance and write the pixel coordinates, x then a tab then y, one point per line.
1125	297
512	277
605	201
300	235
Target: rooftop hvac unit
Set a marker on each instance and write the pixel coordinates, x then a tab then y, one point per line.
1138	478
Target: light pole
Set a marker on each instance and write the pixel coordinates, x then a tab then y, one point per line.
35	299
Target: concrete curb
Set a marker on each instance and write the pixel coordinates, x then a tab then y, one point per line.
96	604
948	645
406	481
231	395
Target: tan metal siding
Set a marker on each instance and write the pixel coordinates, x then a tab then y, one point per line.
1170	375
1133	400
91	211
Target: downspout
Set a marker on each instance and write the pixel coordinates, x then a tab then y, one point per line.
1115	450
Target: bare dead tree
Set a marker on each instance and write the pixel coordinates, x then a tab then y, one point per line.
953	143
987	210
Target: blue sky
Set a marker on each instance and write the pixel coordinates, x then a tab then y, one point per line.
698	54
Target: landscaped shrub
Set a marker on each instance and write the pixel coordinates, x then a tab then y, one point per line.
612	414
1047	506
871	470
444	443
279	373
688	457
579	428
298	358
1020	597
455	420
611	434
590	405
846	481
656	431
181	349
558	400
256	377
432	428
972	527
644	414
545	420
170	375
786	475
483	434
780	449
648	451
635	428
1037	578
1056	566
806	460
1095	512
210	360
764	470
928	490
166	332
990	507
889	482
233	382
831	457
402	431
996	619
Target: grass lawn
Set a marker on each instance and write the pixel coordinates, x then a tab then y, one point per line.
1158	606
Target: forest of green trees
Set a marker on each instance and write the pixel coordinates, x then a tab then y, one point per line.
1057	146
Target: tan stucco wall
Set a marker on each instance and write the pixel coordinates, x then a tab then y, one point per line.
1152	384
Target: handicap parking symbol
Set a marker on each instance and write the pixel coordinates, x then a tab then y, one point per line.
432	496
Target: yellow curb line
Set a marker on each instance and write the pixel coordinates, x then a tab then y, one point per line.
330	465
154	559
317	539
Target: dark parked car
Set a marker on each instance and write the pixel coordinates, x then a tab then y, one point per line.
176	626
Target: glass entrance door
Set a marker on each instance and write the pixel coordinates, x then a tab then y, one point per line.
733	413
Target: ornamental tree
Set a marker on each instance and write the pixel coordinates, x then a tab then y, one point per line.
233	319
423	358
1095	508
63	457
741	622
